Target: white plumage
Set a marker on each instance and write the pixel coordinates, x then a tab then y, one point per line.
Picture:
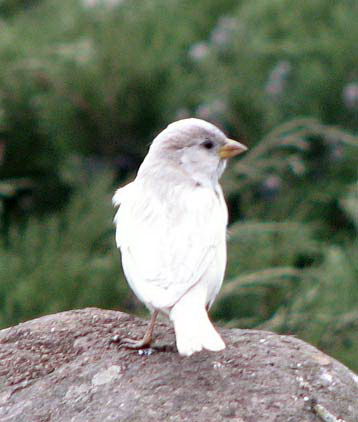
171	229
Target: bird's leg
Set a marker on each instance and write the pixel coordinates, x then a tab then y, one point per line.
146	340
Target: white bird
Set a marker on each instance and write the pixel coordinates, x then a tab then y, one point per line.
171	230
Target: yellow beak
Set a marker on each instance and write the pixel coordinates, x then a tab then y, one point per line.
231	148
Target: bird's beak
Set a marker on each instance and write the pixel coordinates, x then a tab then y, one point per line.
231	148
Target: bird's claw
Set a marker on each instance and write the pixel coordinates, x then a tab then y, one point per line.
129	343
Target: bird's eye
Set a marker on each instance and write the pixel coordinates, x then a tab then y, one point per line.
208	144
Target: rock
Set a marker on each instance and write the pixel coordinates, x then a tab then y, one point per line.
64	367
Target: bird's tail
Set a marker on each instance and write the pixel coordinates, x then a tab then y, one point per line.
193	329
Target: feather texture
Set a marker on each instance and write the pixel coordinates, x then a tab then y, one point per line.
170	239
171	229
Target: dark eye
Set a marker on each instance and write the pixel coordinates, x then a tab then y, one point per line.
208	144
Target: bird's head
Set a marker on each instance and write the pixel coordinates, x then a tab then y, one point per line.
197	146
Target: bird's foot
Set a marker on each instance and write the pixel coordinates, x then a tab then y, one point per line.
129	343
142	346
138	344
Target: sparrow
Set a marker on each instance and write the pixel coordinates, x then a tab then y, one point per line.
171	231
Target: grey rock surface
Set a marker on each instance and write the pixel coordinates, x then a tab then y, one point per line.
64	367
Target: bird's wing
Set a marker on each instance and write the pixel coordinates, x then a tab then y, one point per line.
168	241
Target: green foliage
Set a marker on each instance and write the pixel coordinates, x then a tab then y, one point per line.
93	80
294	269
86	91
327	313
270	60
9	8
66	261
117	72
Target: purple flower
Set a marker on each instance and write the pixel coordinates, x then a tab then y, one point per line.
350	95
277	79
199	51
223	32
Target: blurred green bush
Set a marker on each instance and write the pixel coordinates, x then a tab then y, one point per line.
86	84
101	77
293	257
65	261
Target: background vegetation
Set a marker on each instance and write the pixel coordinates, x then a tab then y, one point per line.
86	84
